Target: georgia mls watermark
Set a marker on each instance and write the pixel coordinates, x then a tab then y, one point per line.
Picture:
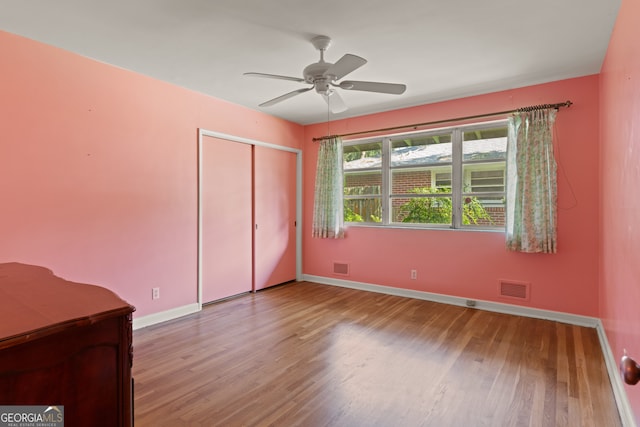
31	416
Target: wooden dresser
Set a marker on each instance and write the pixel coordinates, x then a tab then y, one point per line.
65	343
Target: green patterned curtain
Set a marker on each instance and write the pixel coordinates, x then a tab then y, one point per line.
531	183
328	208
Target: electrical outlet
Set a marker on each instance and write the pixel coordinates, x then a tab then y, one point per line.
155	293
414	274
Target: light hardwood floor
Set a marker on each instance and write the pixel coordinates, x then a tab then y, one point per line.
306	354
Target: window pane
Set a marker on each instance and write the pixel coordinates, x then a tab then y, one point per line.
359	206
483	211
429	209
362	183
485	144
484	153
421	150
420	180
363	210
362	156
443	179
422	210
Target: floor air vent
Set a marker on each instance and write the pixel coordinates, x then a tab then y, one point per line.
341	268
511	289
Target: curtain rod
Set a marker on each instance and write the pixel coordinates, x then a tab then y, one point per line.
478	116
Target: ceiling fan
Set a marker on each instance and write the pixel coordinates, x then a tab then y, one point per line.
323	77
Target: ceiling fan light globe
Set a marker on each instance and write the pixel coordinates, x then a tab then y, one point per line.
322	86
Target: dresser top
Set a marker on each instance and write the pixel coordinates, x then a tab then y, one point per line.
34	302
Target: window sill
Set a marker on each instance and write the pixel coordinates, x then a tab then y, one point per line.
419	228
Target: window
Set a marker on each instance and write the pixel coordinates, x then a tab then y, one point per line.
443	179
363	185
453	178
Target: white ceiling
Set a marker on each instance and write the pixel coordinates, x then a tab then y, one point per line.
441	49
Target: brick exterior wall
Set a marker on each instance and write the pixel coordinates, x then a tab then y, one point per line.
497	216
402	183
405	181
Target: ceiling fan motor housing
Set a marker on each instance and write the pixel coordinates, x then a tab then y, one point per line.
316	71
314	74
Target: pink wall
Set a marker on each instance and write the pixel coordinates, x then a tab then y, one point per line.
98	171
470	264
620	184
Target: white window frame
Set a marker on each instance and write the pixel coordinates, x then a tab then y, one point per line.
457	176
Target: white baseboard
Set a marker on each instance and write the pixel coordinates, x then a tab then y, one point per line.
572	319
624	407
174	313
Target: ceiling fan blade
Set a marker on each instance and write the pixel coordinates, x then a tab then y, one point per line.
284	97
335	102
392	88
275	76
345	65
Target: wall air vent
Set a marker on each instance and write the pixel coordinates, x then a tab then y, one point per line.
341	268
512	289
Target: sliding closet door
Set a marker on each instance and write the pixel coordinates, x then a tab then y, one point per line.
226	218
275	217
